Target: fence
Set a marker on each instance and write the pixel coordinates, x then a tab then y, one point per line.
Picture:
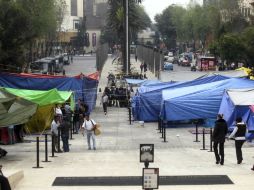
101	56
152	57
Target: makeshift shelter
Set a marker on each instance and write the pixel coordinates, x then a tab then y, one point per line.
84	88
148	102
237	103
14	110
140	82
46	100
200	101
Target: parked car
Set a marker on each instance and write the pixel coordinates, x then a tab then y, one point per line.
168	66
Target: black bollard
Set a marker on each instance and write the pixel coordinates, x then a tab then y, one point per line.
161	124
58	142
46	148
164	139
37	154
203	140
162	131
53	146
158	125
146	163
196	133
211	140
71	133
130	115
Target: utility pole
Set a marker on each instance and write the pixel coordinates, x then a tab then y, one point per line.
126	36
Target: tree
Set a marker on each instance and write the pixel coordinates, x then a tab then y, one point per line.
23	24
13	35
231	48
248	43
166	27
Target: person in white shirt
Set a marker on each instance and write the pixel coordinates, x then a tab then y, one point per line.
104	101
54	130
89	126
239	135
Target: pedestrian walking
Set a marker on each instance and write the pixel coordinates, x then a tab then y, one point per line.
65	129
104	101
88	127
219	134
239	135
71	58
141	67
54	130
136	58
145	67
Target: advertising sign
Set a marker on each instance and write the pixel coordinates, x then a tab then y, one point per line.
150	178
146	152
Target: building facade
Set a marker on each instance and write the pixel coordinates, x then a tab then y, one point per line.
74	13
95	13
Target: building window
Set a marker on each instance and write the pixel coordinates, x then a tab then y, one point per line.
75	24
74	8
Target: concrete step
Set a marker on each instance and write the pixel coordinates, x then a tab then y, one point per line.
14	177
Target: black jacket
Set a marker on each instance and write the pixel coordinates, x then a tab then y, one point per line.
220	130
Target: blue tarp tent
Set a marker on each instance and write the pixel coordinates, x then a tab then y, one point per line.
148	102
84	88
238	103
198	102
142	82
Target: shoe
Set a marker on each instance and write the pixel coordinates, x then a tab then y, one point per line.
239	161
94	148
217	162
252	168
105	113
221	163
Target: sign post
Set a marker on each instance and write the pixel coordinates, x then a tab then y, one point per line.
146	154
150	178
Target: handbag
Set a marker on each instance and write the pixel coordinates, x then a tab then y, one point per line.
97	131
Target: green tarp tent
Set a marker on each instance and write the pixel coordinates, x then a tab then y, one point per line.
14	110
46	100
43	98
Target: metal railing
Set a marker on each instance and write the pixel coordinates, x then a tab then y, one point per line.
152	57
101	56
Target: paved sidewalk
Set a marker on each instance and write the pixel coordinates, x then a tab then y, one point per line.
117	154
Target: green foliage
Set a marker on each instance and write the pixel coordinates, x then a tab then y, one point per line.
231	47
138	20
248	43
22	22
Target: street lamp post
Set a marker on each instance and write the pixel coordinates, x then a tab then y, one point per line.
127	36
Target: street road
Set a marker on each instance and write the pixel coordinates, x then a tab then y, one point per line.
81	64
181	73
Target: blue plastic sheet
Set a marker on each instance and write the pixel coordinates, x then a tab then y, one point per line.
149	97
231	112
199	102
84	88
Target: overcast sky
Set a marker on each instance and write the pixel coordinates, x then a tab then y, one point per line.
154	7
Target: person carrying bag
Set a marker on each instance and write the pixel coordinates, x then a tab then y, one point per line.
89	126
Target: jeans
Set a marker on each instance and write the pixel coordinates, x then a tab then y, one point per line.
105	106
65	140
76	125
90	134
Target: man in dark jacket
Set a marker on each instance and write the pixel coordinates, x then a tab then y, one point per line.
65	129
219	133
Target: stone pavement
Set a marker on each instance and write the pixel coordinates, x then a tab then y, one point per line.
117	154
